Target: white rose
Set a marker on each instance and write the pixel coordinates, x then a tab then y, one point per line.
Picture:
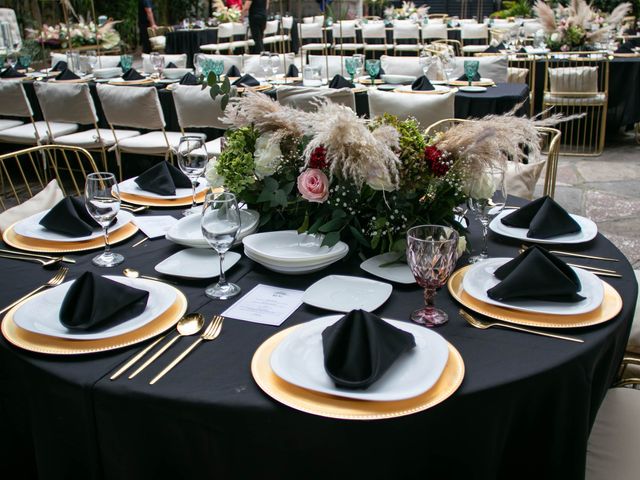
482	186
268	156
462	245
555	37
211	174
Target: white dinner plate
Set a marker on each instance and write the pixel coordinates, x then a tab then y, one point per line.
30	227
480	278
187	230
400	79
299	359
299	269
436	88
439	82
291	247
42	314
398	272
588	231
196	263
131	187
342	293
472	89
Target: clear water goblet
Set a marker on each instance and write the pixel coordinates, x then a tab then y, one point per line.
192	160
102	201
265	63
425	60
274	62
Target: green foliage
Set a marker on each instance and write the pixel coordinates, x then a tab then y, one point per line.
218	87
515	8
236	163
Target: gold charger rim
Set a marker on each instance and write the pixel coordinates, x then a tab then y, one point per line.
464	83
48	246
49	345
162	202
424	92
610	307
343	408
146	81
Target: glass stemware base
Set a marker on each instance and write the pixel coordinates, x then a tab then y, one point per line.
481	257
107	259
219	291
430	316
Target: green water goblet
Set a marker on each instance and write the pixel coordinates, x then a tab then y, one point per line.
351	65
373	68
470	69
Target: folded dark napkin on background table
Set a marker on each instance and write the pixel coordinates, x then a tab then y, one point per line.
360	347
626	47
422	84
476	78
293	71
70	217
94	301
536	274
67	74
522	50
131	75
338	81
492	49
189	79
246	80
171	65
11	73
163	179
233	72
59	66
544	218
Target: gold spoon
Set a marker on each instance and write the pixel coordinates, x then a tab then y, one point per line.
190	324
132	273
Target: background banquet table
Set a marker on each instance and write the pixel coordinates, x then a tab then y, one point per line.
524	409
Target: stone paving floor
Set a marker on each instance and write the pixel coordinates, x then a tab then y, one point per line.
607	190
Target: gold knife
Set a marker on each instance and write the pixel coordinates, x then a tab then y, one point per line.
37	255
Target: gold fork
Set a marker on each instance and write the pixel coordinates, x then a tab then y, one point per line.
54	281
211	333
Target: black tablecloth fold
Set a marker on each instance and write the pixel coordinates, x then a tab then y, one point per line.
70	217
544	218
163	179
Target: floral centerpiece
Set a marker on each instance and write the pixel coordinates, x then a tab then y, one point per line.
362	182
407	11
577	26
76	34
224	14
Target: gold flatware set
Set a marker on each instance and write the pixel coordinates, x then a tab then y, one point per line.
54	281
603	272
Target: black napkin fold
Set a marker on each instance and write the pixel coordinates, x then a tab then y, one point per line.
131	75
11	72
536	274
422	83
476	78
163	179
233	72
59	66
189	79
70	217
626	47
360	347
522	50
293	71
67	74
543	217
492	49
246	80
338	81
171	65
94	301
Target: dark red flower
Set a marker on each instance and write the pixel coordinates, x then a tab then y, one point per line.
435	159
318	158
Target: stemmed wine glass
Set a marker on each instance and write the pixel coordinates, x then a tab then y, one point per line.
358	58
426	60
265	63
220	223
102	200
487	198
274	61
92	59
192	160
431	255
373	68
470	69
448	63
157	61
350	64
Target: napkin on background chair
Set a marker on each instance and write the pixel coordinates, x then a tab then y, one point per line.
59	66
536	274
70	217
94	301
246	80
11	72
293	71
544	218
189	79
171	65
67	74
233	72
163	179
131	75
476	78
626	47
360	347
338	81
422	84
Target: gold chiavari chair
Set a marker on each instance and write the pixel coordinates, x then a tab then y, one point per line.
576	83
526	62
455	44
158	37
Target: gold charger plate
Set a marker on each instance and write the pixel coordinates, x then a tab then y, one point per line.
35	342
74	80
610	307
47	246
259	88
146	81
464	83
367	81
626	55
347	408
425	92
162	202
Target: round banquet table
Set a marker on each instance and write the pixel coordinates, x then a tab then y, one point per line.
189	41
524	409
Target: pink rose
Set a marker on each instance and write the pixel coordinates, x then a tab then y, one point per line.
313	185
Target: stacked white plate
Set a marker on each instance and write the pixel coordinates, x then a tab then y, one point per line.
289	252
187	230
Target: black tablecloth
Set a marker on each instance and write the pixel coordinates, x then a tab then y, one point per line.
524	409
189	41
496	100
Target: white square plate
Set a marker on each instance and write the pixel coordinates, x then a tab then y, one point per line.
341	293
398	272
196	263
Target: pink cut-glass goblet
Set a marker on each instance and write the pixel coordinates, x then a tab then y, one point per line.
431	255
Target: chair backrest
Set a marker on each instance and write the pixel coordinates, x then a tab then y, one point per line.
531	28
66	102
310	30
373	30
108	61
315	19
575	75
239	28
251	64
393	65
228	60
9	15
344	29
467	21
271	27
129	106
493	67
406	31
13	99
425	108
196	109
287	23
179	61
23	177
434	30
335	64
303	98
474	31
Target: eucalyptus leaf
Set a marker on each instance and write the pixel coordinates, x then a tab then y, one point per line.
331	238
333	224
224	101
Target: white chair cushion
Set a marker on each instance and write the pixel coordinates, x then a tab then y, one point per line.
303	98
214	148
401	65
493	67
159	42
25	134
521	178
349	46
195	108
426	109
89	138
612	451
66	102
275	39
108	61
517	75
251	64
573	79
128	106
474	48
215	47
41	201
590	99
336	64
4	124
315	46
378	47
407	47
152	143
13	99
634	337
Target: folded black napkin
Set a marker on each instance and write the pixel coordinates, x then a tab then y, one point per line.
522	50
131	75
70	217
293	71
338	81
360	347
233	72
543	217
59	66
94	301
67	74
536	274
189	79
163	179
626	47
476	78
492	49
422	83
11	72
171	65
246	80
